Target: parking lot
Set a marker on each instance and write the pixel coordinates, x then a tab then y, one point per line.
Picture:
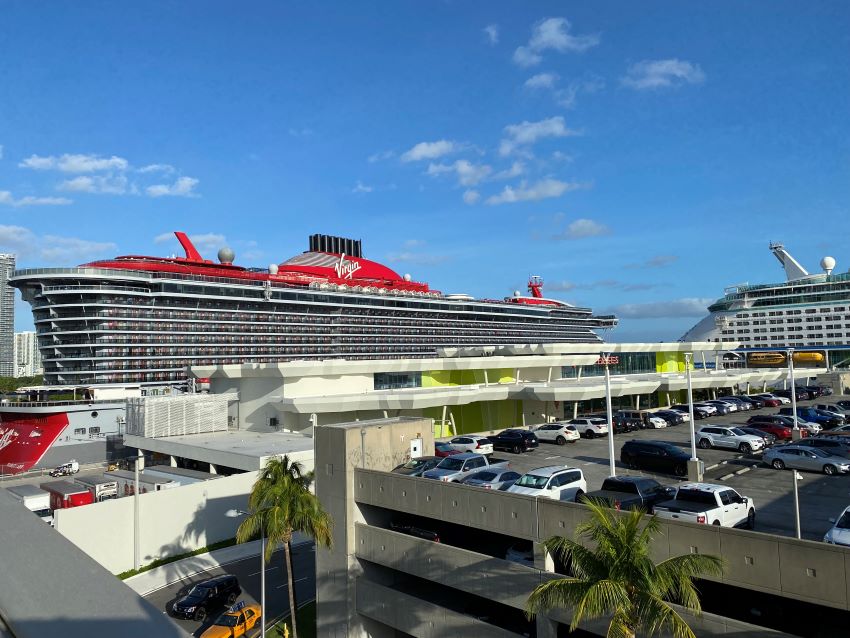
821	497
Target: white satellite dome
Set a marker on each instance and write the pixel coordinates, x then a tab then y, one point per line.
517	293
407	277
272	269
226	255
827	263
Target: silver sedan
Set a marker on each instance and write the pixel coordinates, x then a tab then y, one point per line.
805	458
492	479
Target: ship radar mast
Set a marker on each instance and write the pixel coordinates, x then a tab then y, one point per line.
793	269
535	284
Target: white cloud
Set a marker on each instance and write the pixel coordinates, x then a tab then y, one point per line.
492	33
7	199
653	74
562	157
380	156
543	189
658	261
1	151
157	168
516	169
583	228
541	81
552	34
468	174
590	84
471	196
414	243
183	187
51	248
527	133
69	163
360	187
420	259
430	150
685	307
110	185
300	132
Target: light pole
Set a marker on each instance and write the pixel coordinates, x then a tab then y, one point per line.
604	359
236	514
795	432
136	539
797	477
695	472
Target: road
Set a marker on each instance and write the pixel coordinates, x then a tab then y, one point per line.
821	497
248	573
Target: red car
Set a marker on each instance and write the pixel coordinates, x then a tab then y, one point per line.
444	449
770	403
781	432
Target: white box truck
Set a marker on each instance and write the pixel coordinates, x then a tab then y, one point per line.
35	500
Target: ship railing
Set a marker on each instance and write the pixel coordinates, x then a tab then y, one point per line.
6	403
95	287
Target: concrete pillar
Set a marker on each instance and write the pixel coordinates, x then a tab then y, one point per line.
575	416
486	383
214	470
516	377
172	460
546	627
637	407
747	392
669	403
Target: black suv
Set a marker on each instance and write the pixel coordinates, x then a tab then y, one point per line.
515	441
206	596
655	455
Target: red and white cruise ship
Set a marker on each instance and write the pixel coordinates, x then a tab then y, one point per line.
139	323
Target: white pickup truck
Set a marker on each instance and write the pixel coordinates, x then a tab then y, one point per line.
709	504
457	466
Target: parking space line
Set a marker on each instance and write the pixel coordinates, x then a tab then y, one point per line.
268	569
549	458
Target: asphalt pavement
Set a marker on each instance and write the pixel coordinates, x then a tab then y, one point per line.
248	572
821	497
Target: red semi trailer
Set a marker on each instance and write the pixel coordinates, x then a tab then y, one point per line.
65	494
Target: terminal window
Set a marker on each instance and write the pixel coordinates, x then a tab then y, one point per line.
397	380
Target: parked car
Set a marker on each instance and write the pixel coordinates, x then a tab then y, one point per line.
806	428
514	440
843	404
724	406
709	504
237	621
835	446
444	449
472	443
416	467
813	416
768	401
825	390
207	596
774	397
672	416
834	407
841	430
492	479
521	552
712	409
655	455
456	467
769	439
742	403
632	492
590	427
839	533
805	458
558	433
557	482
405	527
728	437
779	431
814	391
624	424
757	402
802	395
699	413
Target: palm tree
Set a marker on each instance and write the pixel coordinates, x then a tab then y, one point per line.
281	504
619	577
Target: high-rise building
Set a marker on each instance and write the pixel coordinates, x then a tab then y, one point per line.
27	355
7	316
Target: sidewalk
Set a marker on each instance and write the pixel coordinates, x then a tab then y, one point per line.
165	575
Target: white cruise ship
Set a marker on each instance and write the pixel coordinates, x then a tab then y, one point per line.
807	311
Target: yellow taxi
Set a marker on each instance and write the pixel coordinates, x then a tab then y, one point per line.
235	622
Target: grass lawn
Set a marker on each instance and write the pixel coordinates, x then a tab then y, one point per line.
306	619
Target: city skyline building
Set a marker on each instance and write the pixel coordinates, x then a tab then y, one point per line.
27	355
7	316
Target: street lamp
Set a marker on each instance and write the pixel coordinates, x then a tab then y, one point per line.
797	477
795	432
604	359
234	513
694	469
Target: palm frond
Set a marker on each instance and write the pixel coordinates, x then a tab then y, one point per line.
655	615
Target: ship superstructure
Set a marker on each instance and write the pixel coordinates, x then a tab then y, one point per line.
805	311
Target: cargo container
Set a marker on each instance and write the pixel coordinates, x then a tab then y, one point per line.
126	484
179	475
101	487
64	494
34	499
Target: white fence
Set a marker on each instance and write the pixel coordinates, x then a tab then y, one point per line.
157	417
171	522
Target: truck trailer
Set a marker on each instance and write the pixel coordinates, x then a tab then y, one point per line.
101	487
126	482
64	494
34	499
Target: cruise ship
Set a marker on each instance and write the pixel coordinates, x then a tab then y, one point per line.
807	311
140	322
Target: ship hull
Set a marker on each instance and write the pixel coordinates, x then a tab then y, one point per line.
28	433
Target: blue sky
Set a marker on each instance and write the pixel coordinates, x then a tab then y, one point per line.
638	156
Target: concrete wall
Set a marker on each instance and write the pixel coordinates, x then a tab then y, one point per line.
171	522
